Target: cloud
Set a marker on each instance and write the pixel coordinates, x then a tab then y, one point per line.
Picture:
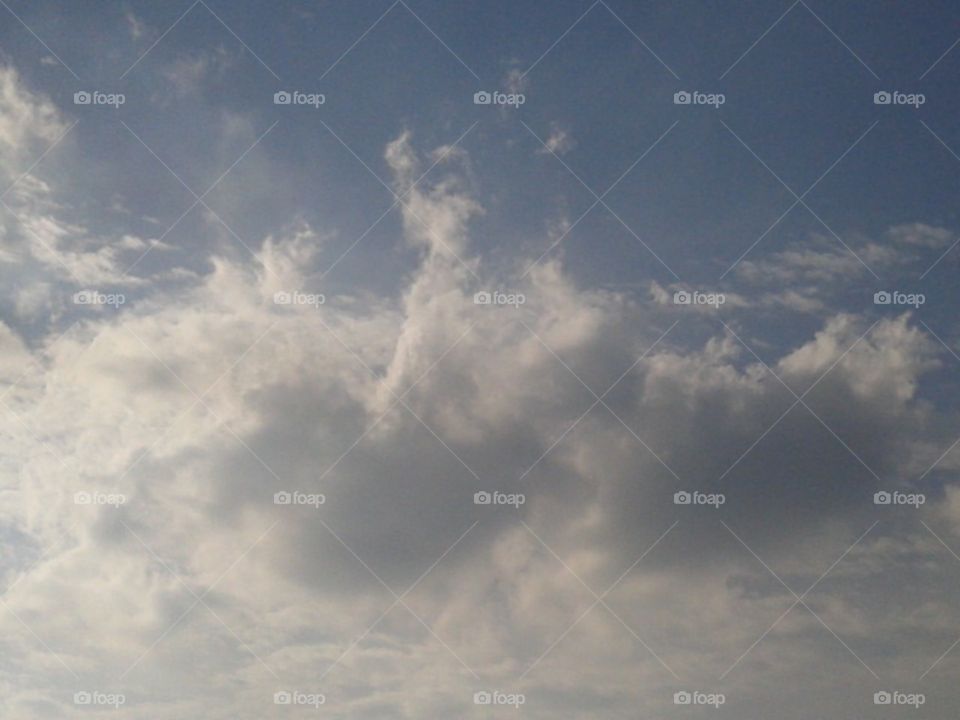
26	121
40	241
188	75
819	264
436	218
814	277
135	25
921	235
558	142
516	81
203	400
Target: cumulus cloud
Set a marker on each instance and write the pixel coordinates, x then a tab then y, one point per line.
198	595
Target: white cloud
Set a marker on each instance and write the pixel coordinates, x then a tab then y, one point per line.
558	142
26	121
921	235
287	394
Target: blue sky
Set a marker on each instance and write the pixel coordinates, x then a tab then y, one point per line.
799	99
209	301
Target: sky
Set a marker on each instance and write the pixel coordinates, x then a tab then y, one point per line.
437	359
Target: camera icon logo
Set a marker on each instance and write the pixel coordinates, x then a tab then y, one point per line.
482	498
882	98
83	498
82	698
682	498
282	698
482	298
482	698
882	298
282	298
682	98
82	97
282	498
882	698
482	98
882	498
282	97
682	698
682	297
